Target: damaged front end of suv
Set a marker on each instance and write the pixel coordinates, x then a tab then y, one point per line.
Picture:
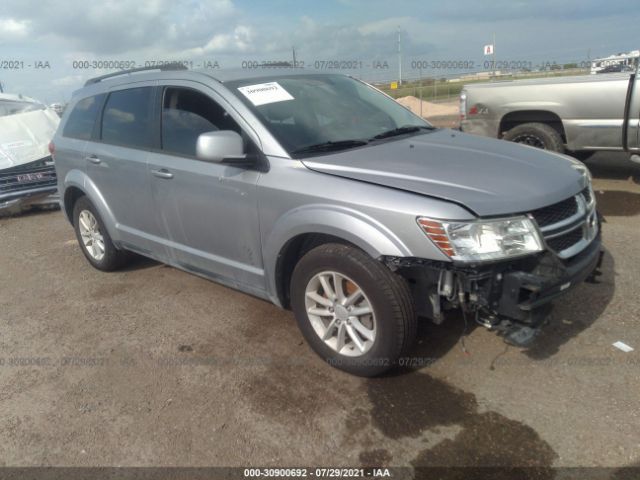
505	272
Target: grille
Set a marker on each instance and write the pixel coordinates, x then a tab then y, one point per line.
29	176
555	213
565	241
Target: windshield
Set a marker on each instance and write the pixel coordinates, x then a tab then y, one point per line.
333	112
11	107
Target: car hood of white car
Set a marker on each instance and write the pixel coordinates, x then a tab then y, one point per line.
25	137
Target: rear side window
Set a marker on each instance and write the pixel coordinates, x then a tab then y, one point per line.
83	118
127	118
186	114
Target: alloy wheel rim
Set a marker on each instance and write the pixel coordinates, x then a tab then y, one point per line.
340	313
92	238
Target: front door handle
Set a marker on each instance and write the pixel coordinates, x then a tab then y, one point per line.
162	173
94	159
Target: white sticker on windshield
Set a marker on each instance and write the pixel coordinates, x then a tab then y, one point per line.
264	93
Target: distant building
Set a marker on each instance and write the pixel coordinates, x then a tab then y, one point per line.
620	62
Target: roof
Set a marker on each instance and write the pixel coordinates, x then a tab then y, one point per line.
223	75
233	74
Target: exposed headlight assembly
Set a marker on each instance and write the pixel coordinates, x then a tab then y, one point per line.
483	240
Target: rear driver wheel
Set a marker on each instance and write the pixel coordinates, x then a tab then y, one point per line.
539	135
94	239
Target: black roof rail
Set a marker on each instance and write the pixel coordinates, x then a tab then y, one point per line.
163	68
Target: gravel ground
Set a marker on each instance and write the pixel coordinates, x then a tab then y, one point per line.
153	366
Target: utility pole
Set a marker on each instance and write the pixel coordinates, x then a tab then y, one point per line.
399	57
494	55
420	90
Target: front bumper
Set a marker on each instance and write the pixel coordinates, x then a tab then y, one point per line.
517	291
28	183
525	295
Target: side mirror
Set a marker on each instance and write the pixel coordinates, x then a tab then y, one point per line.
221	146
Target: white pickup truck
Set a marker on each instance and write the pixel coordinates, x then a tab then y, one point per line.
577	115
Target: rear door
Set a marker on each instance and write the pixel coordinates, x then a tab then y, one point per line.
208	210
116	161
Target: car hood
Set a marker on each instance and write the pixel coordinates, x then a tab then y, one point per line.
25	137
487	176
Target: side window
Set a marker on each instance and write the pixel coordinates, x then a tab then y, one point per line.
83	118
186	114
127	118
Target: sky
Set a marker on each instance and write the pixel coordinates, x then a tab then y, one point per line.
49	48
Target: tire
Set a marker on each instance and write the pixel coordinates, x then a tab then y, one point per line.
386	294
538	135
111	258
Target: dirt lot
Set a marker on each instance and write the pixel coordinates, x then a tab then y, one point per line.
153	366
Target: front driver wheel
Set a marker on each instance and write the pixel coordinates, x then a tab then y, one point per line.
352	310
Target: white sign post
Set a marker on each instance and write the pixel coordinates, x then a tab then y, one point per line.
491	50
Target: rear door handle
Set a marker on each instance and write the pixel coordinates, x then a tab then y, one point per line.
162	173
94	159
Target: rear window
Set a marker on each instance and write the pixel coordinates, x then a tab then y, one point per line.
83	118
127	118
10	107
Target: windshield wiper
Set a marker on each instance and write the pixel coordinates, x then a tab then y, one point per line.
402	131
331	146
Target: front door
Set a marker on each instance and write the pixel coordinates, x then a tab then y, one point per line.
208	210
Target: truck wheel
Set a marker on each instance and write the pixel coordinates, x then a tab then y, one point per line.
94	239
538	135
353	311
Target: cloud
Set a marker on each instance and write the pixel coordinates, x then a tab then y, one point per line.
68	81
238	41
121	26
12	30
231	31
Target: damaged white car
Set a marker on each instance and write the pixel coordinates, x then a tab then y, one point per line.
27	174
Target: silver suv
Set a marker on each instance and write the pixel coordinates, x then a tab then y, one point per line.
321	194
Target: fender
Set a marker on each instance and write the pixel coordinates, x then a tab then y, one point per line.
346	223
77	178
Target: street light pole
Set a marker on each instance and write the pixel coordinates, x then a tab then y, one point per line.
494	55
399	58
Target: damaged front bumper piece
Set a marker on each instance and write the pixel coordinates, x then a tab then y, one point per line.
512	297
30	184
